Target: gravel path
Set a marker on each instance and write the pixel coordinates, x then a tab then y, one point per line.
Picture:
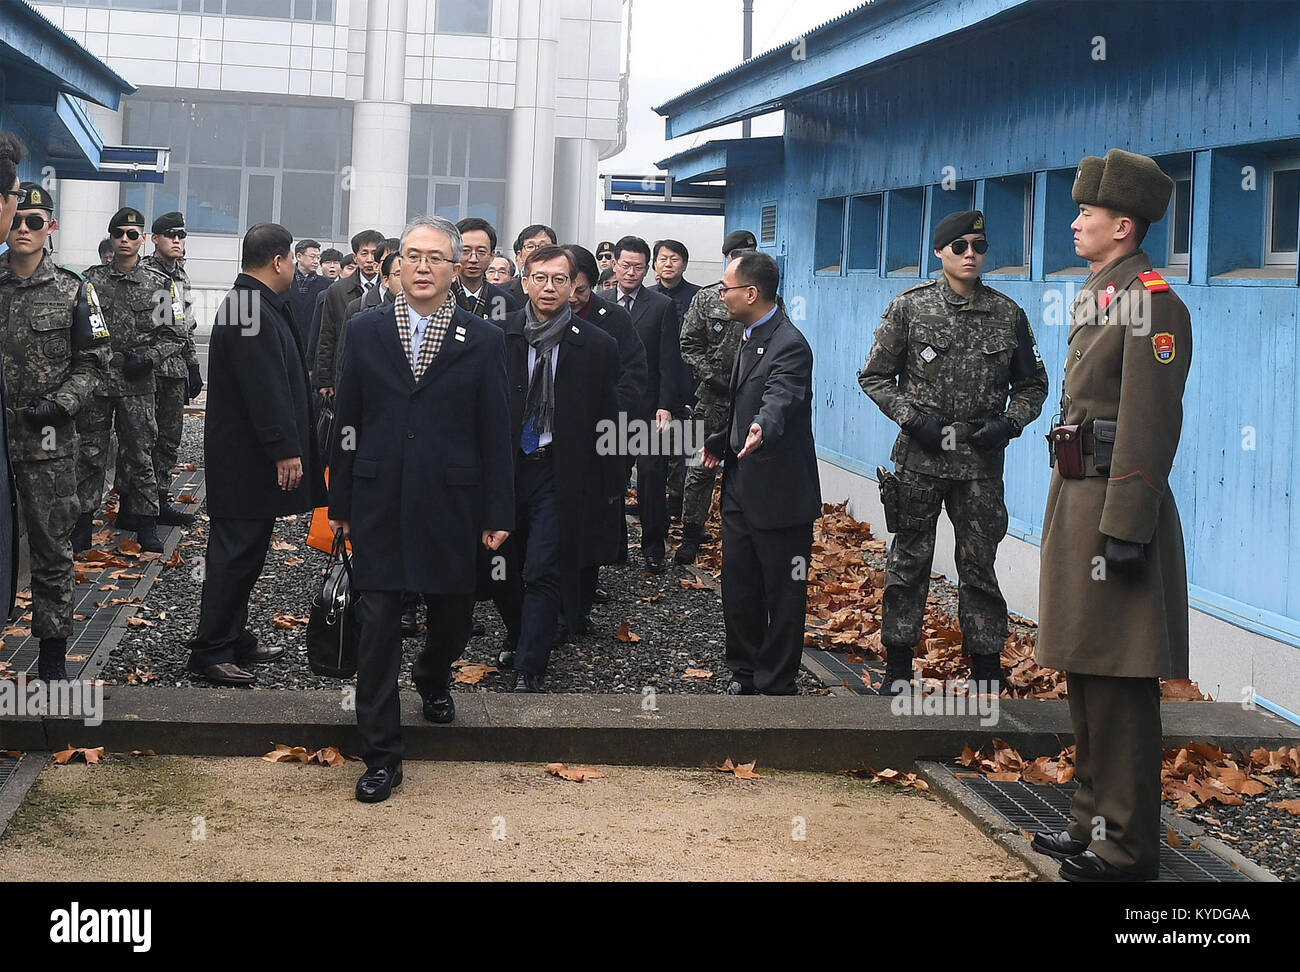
1269	836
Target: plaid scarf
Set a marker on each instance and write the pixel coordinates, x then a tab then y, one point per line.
475	305
434	332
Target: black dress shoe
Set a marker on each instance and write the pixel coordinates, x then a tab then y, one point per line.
410	624
1059	845
1088	868
376	785
735	687
601	596
261	654
227	673
441	709
525	682
506	658
654	563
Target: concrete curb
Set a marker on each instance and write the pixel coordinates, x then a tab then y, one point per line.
14	792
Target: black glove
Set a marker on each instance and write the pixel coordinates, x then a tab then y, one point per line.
719	386
194	380
993	433
136	365
926	431
1124	557
42	412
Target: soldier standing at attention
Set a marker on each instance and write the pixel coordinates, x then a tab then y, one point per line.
1113	582
138	305
946	356
177	377
709	340
55	349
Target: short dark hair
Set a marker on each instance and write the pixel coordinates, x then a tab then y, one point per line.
544	253
349	260
584	262
509	262
471	223
302	246
263	243
530	231
389	244
12	153
105	247
366	238
676	246
387	265
331	256
633	244
606	275
1140	225
758	270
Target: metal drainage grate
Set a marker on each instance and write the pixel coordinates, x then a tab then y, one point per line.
848	673
7	766
1046	806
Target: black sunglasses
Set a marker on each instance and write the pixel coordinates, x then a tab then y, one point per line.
176	234
35	222
979	246
20	195
130	234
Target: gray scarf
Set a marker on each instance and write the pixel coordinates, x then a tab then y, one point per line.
539	407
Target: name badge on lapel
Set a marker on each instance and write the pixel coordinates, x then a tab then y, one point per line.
759	351
460	333
573	328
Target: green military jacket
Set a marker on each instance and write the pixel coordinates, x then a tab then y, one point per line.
176	365
709	339
960	359
55	345
139	306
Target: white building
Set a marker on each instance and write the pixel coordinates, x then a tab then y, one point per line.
332	116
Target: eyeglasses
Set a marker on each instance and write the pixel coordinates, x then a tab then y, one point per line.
35	222
20	195
979	246
130	234
622	265
434	260
478	251
176	234
723	288
530	246
540	279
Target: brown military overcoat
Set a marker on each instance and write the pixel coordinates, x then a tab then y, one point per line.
1130	347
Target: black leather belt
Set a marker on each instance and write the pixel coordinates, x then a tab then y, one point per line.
538	454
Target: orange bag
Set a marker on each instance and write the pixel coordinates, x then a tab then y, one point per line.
320	536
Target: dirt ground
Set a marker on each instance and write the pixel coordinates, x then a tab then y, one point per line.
138	818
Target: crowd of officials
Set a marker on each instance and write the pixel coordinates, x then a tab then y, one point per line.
489	411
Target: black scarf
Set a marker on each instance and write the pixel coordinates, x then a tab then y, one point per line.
539	407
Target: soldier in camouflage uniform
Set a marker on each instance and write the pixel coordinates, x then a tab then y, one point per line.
177	377
138	305
946	355
709	340
55	347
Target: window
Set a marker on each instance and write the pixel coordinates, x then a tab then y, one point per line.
225	185
1180	223
767	225
903	231
864	233
463	16
828	241
1008	216
321	11
945	199
457	165
1282	232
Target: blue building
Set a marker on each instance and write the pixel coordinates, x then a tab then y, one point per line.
899	112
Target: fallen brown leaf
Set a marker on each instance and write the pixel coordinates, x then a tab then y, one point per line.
281	545
139	622
578	774
1290	806
287	621
625	634
89	755
744	771
473	674
128	546
697	673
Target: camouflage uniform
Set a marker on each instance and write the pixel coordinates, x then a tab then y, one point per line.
708	344
955	358
138	305
171	377
55	346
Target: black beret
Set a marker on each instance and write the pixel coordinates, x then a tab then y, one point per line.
955	225
739	240
604	248
168	221
38	197
126	216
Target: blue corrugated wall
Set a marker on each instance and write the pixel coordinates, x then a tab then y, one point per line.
1026	96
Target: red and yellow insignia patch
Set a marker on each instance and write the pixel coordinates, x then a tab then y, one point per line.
1162	346
1153	281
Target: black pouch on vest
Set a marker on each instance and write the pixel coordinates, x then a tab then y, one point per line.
1103	449
1067	444
888	497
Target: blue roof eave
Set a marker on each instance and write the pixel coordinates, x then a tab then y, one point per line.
73	69
712	160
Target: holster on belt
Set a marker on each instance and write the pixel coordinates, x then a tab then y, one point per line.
1066	442
888	497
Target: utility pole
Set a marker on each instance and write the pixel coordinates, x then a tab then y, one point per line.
748	52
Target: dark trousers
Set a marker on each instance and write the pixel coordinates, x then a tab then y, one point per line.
379	664
1118	750
501	581
236	553
537	526
588	581
764	596
652	501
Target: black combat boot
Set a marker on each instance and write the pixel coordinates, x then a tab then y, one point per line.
898	669
81	533
50	663
690	547
146	534
125	520
170	515
986	672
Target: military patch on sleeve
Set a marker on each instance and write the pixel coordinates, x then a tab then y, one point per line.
98	329
1162	346
1153	282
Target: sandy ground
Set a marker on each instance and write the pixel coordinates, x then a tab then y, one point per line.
134	818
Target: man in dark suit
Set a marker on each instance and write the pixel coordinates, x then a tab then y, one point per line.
471	288
771	493
671	258
421	473
330	339
563	379
529	239
307	286
259	450
655	319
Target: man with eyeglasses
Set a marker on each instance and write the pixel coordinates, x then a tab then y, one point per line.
472	290
670	261
954	363
328	334
528	240
177	378
55	349
140	305
308	284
